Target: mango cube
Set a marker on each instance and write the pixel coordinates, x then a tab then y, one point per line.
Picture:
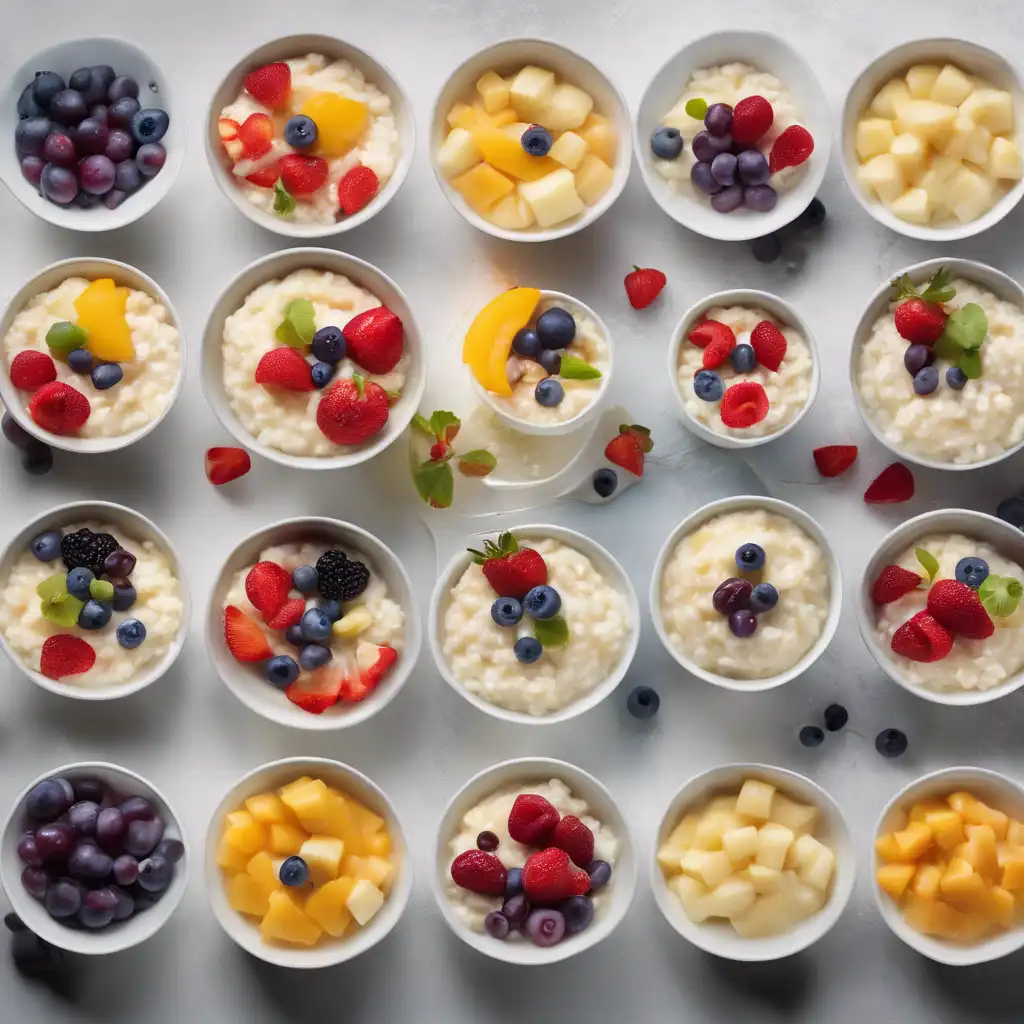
913	840
933	917
457	154
893	879
976	812
229	857
922	808
1013	870
482	186
268	809
378	844
263	871
287	922
323	856
508	156
101	314
285	840
554	197
494	91
327	906
980	850
755	800
926	881
874	135
309	803
364	901
947	828
568	150
243	832
246	896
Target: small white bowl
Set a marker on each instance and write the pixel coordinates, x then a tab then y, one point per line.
135	527
329	952
739	504
760	50
603	807
118	935
969	57
279	265
48	278
1001	792
987	277
285	49
502	409
246	681
1007	539
506	58
782	311
602	560
64	58
718	937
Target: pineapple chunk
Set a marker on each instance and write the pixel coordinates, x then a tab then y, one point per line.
947	828
362	818
1004	160
512	213
712	867
515	130
593	178
285	840
262	870
818	874
888	850
969	141
553	198
874	136
531	92
980	850
670	858
685	832
798	818
1013	870
690	892
229	857
327	906
914	205
975	812
310	804
764	880
243	832
457	154
969	194
1002	907
732	898
893	879
246	896
914	840
926	881
286	921
373	869
461	116
1015	832
909	152
805	851
926	118
567	108
568	150
378	844
713	827
293	787
890	98
992	108
774	842
882	175
960	881
922	808
933	917
741	844
769	916
364	901
599	135
482	186
951	86
269	809
921	79
494	91
323	856
755	800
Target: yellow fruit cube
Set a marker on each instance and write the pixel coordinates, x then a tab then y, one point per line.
894	878
364	901
374	869
294	787
340	122
874	135
741	844
568	150
926	118
914	205
922	808
482	186
914	840
262	870
713	826
926	881
975	812
229	857
961	884
690	892
887	848
359	620
286	921
764	880
508	156
951	86
969	194
323	856
755	799
798	818
1012	863
991	108
882	175
269	809
921	80
512	213
1004	160
285	840
489	338
101	314
567	109
368	822
774	843
947	827
531	92
327	907
909	152
890	98
243	832
599	135
683	834
1002	907
712	867
494	91
308	801
378	844
980	850
593	178
1015	832
933	917
246	896
670	858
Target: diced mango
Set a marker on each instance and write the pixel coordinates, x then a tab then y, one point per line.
599	135
593	179
243	832
922	808
1013	869
568	150
926	881
364	901
508	156
947	827
933	917
874	135
101	314
340	122
493	90
374	869
482	186
1015	832
285	840
980	850
269	809
887	848
914	840
287	922
976	812
368	822
378	844
323	856
293	787
246	896
489	338
461	116
262	871
1002	906
230	857
327	906
894	878
457	154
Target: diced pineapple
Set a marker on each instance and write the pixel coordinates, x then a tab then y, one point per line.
1004	160
926	881
969	194
741	844
285	840
512	213
1013	869
593	178
269	809
494	91
890	98
969	141
286	921
713	826
922	808
262	870
764	880
980	850
712	867
373	869
804	851
733	897
690	892
933	917
531	93
874	136
568	150
926	118
599	135
461	116
683	834
230	857
322	855
567	108
909	151
774	842
457	154
309	802
1015	832
243	832
947	827
1002	907
921	79
327	906
804	901
670	858
364	901
798	818
914	840
951	86
553	198
914	206
893	879
755	800
960	880
482	186
246	896
992	108
883	176
818	873
293	787
378	844
886	848
767	916
366	821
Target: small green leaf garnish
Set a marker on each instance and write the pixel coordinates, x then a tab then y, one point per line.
506	544
697	108
574	368
970	363
938	288
284	201
967	326
641	433
101	590
553	632
929	562
65	337
1000	595
946	348
422	424
478	462
435	483
57	605
299	324
444	425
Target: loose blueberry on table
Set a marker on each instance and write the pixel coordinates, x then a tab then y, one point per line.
36	455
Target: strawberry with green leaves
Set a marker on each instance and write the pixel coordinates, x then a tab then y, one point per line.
920	318
511	570
628	448
434	478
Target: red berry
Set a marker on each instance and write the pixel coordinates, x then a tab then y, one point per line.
267	586
922	638
265	177
791	148
751	118
512	571
31	369
625	452
226	464
302	175
835	459
352	411
244	638
227	128
256	134
439	450
707	331
957	607
643	286
919	322
893	583
893	485
744	404
549	876
769	344
532	819
285	368
270	84
716	352
479	872
59	408
288	614
375	339
65	655
575	838
356	189
317	691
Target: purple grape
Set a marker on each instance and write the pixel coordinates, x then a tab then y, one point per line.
68	107
91	136
86	200
120	564
59	149
98	908
125	904
15	432
718	119
732	595
100	112
703	180
127	178
114	198
63	899
600	872
143	837
135	808
101	77
171	849
26	849
706	146
151	158
32	169
110	830
917	357
155	874
517	910
760	198
89	789
728	199
578	912
79	80
66	788
743	623
122	87
723	168
96	174
35	881
27	106
82	817
59	185
496	925
126	870
47	800
752	167
30	136
121	112
89	863
545	927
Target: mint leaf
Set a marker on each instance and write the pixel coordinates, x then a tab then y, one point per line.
284	201
946	348
970	362
478	462
553	632
697	108
422	424
444	425
574	368
967	326
929	562
1000	595
939	288
435	483
299	326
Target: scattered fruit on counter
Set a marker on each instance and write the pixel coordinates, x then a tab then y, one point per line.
643	702
891	743
36	455
768	248
835	718
628	448
434	479
226	464
33	957
742	601
643	286
1011	510
894	485
835	459
605	481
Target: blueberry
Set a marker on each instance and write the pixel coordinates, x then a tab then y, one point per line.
305	579
329	344
121	111
750	557
106	375
94	615
312	656
294	872
972	571
507	611
526	343
322	374
27	106
605	481
282	671
127	176
30	136
543	602
666	143
122	87
513	882
836	716
549	392
891	743
315	624
743	358
956	378
811	736
926	380
300	132
150	125
708	386
131	633
763	598
643	703
743	623
101	76
600	872
536	140
37	461
551	360
812	217
78	581
766	249
68	107
556	328
527	649
46	547
80	360
125	596
293	634
46	85
917	357
578	912
332	609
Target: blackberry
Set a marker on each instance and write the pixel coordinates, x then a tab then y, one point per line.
87	549
341	579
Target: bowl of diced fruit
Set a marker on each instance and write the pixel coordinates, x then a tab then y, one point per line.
306	863
530	141
930	139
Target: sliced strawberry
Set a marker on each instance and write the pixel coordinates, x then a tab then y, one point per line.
270	85
625	452
893	485
302	175
285	368
791	148
893	583
922	638
288	614
265	177
717	351
751	118
267	586
227	128
744	404
356	189
244	638
226	464
372	663
769	344
705	332
575	838
59	408
835	459
31	369
65	655
317	691
256	134
375	339
958	607
643	286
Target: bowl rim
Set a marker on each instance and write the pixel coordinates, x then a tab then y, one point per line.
740	503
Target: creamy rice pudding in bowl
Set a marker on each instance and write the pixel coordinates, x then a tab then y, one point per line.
939	607
93	356
746	593
937	364
744	367
309	136
535	625
534	862
93	602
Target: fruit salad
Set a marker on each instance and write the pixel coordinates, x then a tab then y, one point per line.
531	863
88	140
543	362
310	140
95	855
958	396
947	609
746	141
938	146
312	363
749	610
742	373
955	866
528	150
90	606
751	858
535	628
307	862
94	359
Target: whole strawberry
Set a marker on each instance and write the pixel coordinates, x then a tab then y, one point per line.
352	410
575	838
59	408
549	877
643	286
270	85
532	820
751	118
267	586
375	339
628	448
920	318
791	148
957	607
285	368
512	571
479	872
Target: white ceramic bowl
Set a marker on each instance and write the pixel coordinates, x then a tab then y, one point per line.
969	57
136	527
246	681
718	936
91	268
1007	539
782	311
285	49
602	560
981	274
738	504
503	410
118	935
328	952
279	265
765	52
64	58
506	58
999	791
603	807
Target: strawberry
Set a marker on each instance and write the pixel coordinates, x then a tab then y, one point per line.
957	607
920	319
744	404
549	877
375	339
769	344
244	637
532	820
479	872
627	449
717	350
356	189
791	148
708	331
270	85
65	655
59	408
922	638
317	691
226	464
372	662
512	571
835	459
227	128
893	485
575	838
265	177
893	583
31	369
256	134
267	586
288	614
302	175
440	450
751	118
352	410
643	286
286	368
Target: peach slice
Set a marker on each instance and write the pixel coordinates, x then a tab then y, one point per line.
101	314
489	338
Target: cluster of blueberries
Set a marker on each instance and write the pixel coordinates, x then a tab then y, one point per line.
708	386
69	340
545	343
540	603
918	360
739	599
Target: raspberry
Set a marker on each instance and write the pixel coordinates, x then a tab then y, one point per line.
31	369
